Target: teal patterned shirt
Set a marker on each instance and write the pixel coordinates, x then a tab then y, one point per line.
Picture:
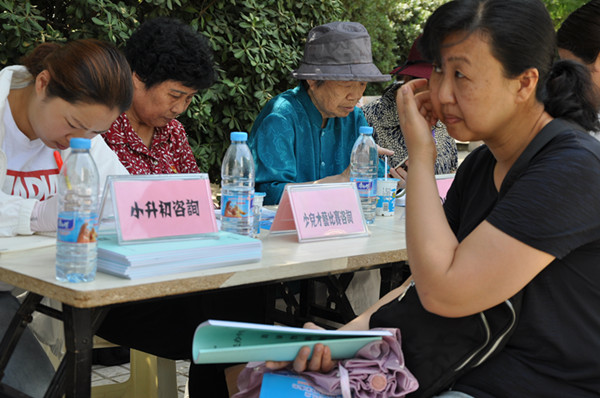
289	145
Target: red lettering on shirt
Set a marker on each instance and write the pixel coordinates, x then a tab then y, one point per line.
39	184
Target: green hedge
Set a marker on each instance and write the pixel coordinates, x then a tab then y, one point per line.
256	43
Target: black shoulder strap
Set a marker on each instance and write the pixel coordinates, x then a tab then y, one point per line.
550	131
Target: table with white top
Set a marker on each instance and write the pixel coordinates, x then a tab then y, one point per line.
85	304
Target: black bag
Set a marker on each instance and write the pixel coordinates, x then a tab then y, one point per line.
438	350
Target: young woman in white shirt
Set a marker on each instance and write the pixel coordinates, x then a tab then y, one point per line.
61	91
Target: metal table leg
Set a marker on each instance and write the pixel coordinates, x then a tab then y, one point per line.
75	371
73	377
10	339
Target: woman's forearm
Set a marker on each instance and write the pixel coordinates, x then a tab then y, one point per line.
361	322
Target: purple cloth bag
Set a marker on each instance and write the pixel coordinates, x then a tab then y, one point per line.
377	371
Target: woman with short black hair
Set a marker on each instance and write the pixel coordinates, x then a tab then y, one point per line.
170	63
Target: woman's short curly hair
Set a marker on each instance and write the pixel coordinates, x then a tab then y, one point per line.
164	49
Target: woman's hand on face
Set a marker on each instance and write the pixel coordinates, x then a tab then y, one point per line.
421	94
416	116
319	362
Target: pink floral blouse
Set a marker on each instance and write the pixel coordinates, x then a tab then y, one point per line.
170	151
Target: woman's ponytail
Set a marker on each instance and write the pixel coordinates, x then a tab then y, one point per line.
35	60
569	93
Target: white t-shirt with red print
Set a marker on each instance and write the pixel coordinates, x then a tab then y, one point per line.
31	168
16	209
34	173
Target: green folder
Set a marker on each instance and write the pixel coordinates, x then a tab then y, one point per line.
225	342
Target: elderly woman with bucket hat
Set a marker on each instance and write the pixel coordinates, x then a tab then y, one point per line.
382	115
307	133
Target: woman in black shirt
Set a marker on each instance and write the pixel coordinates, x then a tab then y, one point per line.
494	79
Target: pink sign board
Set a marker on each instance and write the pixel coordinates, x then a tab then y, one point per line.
321	211
158	208
284	218
443	185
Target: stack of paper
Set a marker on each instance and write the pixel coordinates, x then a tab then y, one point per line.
173	256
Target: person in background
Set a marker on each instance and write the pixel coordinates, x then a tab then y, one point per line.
170	62
578	39
498	82
306	134
382	115
61	91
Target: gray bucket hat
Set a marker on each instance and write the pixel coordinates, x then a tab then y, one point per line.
339	51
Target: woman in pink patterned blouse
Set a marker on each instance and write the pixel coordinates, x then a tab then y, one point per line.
170	62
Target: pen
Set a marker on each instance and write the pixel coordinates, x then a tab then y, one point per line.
59	164
402	164
58	159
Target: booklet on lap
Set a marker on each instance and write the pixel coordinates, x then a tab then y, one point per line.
225	342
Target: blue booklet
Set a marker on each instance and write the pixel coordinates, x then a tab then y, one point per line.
225	342
156	251
289	385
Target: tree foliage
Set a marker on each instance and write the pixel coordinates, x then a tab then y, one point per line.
560	9
257	43
375	15
394	25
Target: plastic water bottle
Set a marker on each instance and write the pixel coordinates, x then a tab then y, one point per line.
363	171
237	186
78	188
257	204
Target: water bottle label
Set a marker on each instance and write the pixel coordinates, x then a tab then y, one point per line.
76	227
236	206
366	187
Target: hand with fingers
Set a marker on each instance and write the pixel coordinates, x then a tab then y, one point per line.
416	116
320	361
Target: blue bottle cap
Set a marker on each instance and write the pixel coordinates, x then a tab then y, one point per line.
238	136
365	130
80	143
